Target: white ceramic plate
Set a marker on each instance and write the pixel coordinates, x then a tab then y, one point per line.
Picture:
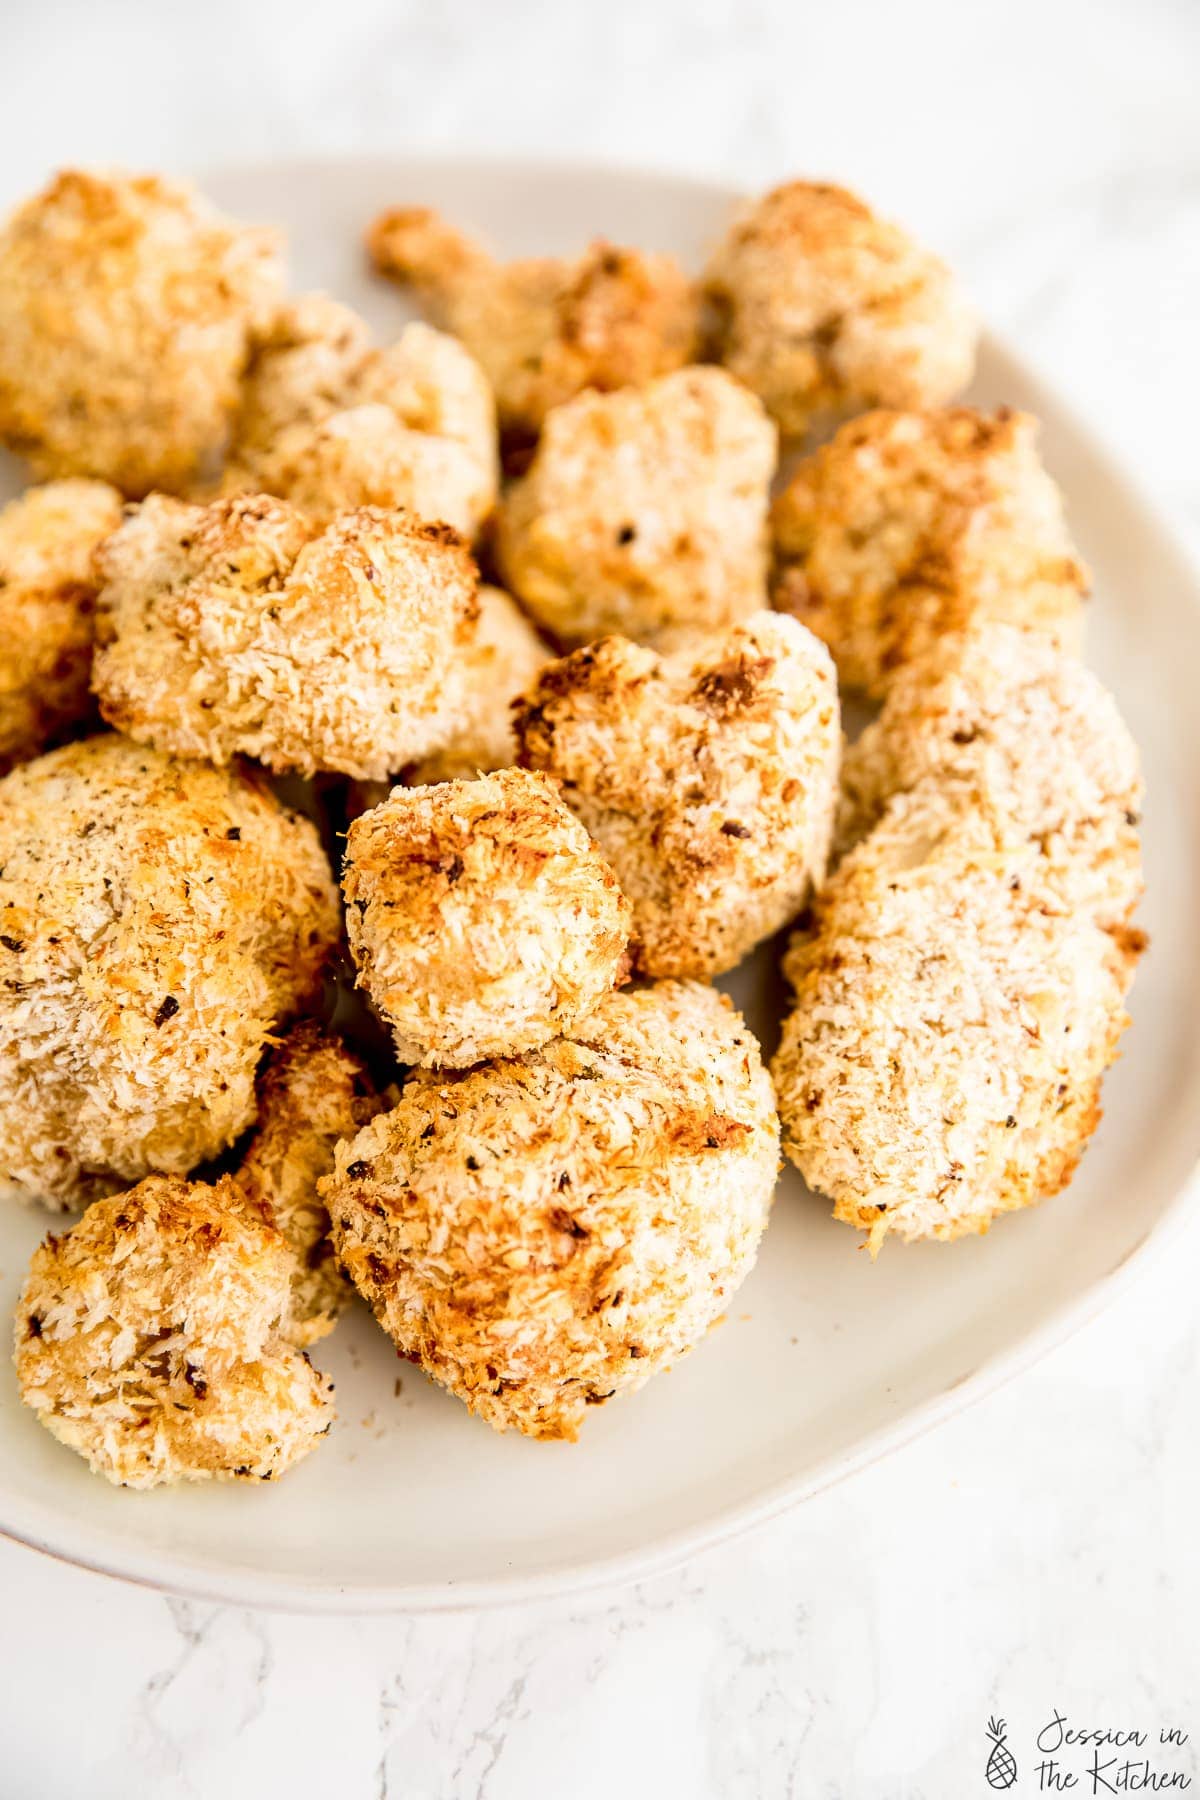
824	1361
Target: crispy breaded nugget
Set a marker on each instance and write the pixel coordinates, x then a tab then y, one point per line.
147	1340
959	989
951	1026
331	423
543	1233
47	599
126	309
911	525
482	918
239	628
709	779
157	918
1032	729
312	1092
547	327
644	512
504	657
824	309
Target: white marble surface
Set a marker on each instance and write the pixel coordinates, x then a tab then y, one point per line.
1039	1552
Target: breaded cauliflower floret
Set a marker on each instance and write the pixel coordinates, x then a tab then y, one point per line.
147	1340
1033	731
504	657
126	310
912	525
313	1092
239	628
951	1025
47	600
644	512
824	309
543	1233
482	918
331	423
157	919
960	986
709	779
547	327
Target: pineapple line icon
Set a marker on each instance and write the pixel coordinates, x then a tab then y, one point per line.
1001	1764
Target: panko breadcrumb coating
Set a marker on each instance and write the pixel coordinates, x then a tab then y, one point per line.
547	327
644	512
951	1026
313	1091
157	919
504	657
545	1232
824	309
482	918
147	1340
47	600
126	311
709	779
240	628
331	423
912	525
959	989
1033	730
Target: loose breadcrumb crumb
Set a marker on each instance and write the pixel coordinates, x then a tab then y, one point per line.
543	1233
709	779
146	1340
157	919
482	918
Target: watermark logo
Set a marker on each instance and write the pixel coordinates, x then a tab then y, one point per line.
1001	1763
1130	1757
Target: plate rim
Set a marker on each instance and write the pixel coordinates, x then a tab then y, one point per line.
667	1550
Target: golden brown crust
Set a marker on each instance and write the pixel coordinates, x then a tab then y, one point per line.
238	628
909	526
1034	731
644	512
157	919
825	309
709	779
543	1233
312	1092
331	423
146	1340
47	601
959	987
545	328
503	659
126	309
481	916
